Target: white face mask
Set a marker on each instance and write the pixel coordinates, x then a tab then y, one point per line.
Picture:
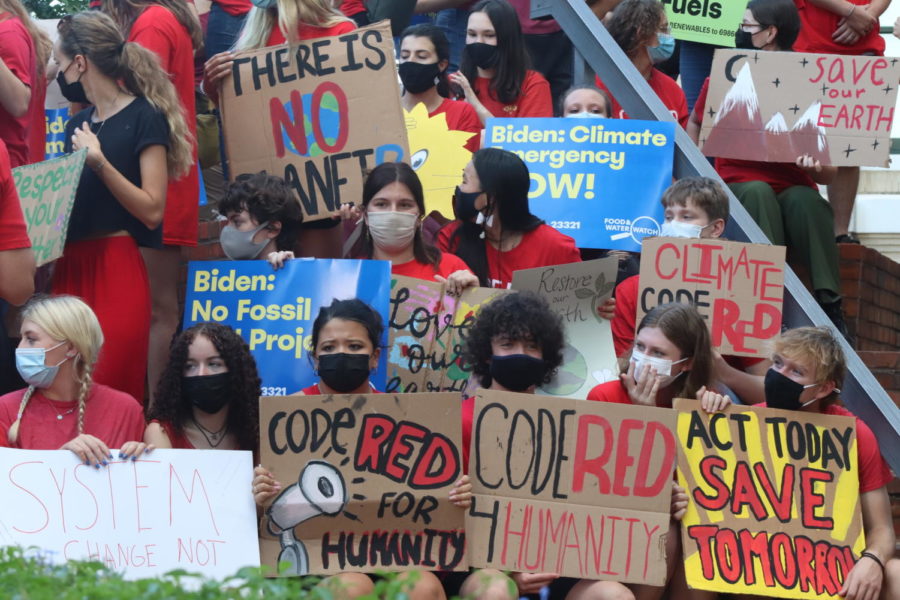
663	367
392	231
680	229
584	115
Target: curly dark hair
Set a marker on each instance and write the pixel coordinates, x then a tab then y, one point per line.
268	199
516	316
353	309
243	412
634	22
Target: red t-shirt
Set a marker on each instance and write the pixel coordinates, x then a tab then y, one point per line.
13	233
611	391
534	101
110	415
624	319
461	117
778	175
314	390
666	89
308	32
818	24
540	247
178	441
17	52
157	30
450	263
235	8
352	7
37	120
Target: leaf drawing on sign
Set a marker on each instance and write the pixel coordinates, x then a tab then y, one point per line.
319	490
584	293
603	288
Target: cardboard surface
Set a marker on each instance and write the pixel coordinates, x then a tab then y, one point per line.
172	509
366	482
576	291
578	488
274	311
777	106
705	21
738	288
597	180
47	193
320	114
767	483
426	335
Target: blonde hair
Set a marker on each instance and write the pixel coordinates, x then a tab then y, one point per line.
818	347
291	14
95	36
43	47
65	319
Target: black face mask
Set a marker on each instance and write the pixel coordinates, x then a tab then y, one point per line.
517	372
782	391
744	39
417	77
209	393
73	92
464	204
484	56
344	372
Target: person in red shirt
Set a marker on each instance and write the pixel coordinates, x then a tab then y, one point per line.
424	57
16	257
24	53
495	233
495	75
640	27
356	10
168	29
808	365
848	27
63	408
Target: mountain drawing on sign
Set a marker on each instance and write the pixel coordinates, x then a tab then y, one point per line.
738	130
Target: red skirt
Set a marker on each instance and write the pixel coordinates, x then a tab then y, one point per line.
109	274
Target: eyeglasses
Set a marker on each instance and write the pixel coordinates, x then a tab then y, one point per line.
750	27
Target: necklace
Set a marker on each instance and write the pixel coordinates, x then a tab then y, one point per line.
60	415
213	438
103	122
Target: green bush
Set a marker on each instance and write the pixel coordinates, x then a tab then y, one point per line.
54	9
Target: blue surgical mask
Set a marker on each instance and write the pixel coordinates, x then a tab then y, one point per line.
30	362
584	115
265	4
663	52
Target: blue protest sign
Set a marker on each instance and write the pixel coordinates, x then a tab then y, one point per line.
274	311
55	122
597	180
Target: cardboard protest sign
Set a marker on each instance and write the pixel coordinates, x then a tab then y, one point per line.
598	181
172	509
274	311
774	500
47	193
576	291
426	334
705	21
319	114
777	106
578	488
738	288
438	155
367	480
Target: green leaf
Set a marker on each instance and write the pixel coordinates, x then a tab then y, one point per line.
600	282
584	293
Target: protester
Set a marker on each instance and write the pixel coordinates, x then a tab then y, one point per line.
274	22
424	58
495	233
207	397
16	256
808	365
263	217
550	49
783	198
585	102
121	195
63	407
171	31
224	23
495	75
24	52
641	30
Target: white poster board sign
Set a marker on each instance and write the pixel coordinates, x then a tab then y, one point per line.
172	509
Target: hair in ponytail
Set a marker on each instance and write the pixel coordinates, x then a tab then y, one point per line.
126	12
67	319
95	36
43	47
289	16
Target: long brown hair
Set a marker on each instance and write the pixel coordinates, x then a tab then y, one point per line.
95	36
126	12
42	44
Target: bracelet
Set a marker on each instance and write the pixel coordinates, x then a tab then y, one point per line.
852	8
867	554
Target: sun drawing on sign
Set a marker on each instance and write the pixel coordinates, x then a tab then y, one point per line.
438	155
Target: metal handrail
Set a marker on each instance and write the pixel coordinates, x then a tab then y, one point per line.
861	391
